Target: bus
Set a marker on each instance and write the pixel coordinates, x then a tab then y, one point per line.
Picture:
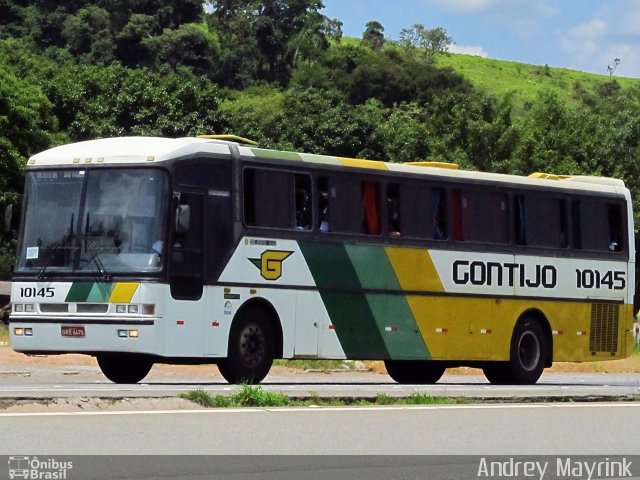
203	250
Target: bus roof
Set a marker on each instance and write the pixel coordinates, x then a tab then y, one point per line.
149	150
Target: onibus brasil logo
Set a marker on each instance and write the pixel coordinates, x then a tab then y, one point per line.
40	469
270	263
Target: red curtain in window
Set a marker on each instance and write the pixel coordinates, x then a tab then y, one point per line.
370	204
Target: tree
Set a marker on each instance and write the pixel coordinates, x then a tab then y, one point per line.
26	124
373	36
189	45
429	42
276	34
610	69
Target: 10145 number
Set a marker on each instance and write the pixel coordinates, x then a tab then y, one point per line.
44	292
613	280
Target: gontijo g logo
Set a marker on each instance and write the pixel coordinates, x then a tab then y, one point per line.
270	263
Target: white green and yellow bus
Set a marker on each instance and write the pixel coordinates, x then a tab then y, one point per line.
211	250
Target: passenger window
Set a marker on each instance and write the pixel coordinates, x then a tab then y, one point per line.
304	213
393	211
422	210
275	199
480	216
540	221
598	225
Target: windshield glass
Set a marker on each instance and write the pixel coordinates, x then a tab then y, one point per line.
100	220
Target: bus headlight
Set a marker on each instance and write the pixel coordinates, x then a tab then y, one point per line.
18	331
30	308
121	309
133	309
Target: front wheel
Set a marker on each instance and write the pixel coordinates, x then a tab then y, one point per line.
422	372
123	367
251	348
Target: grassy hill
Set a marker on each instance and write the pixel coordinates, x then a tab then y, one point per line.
520	80
523	81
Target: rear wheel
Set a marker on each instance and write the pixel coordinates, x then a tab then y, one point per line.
124	367
251	348
414	371
527	357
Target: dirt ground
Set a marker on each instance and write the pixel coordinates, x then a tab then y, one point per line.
10	360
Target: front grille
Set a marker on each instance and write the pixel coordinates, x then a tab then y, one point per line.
605	319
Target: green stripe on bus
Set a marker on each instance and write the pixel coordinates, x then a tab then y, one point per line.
323	159
100	292
350	313
392	314
79	292
401	334
276	154
330	266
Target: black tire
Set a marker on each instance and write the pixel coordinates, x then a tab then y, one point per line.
498	373
528	352
528	355
251	348
124	367
421	372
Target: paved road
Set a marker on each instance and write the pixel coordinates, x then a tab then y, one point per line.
520	429
89	382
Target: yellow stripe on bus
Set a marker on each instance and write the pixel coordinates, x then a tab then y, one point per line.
123	292
414	269
352	162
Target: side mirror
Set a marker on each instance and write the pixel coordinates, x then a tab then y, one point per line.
183	218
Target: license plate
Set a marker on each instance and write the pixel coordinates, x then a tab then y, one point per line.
72	331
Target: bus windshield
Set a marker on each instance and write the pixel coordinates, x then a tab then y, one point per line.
107	220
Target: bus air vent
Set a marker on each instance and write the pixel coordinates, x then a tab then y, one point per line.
449	166
54	307
604	327
92	307
230	138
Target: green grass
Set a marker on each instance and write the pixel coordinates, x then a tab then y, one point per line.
255	396
248	396
4	335
523	81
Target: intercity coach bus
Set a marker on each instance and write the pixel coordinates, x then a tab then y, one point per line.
211	250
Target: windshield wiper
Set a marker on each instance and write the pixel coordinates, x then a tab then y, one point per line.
104	274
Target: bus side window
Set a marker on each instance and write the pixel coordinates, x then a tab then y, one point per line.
439	214
268	198
304	213
540	221
323	204
616	227
598	225
481	215
458	224
393	211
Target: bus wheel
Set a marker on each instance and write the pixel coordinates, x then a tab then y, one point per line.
498	373
414	371
251	348
123	367
528	352
527	357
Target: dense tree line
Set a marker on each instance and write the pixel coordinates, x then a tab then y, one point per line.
279	72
